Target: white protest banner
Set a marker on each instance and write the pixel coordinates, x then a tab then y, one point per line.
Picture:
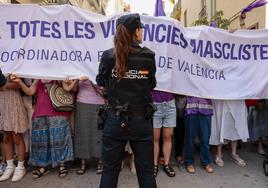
56	42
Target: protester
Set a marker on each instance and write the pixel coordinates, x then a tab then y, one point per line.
51	135
165	119
2	79
229	123
2	152
13	122
131	157
258	124
2	163
28	104
179	130
87	138
127	71
257	117
198	114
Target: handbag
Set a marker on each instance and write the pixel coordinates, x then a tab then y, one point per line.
61	99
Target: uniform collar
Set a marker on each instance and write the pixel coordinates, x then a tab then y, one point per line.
135	45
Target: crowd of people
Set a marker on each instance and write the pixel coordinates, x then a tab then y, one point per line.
31	126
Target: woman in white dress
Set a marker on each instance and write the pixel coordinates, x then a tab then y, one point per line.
229	123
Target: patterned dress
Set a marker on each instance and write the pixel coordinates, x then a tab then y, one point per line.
13	116
51	133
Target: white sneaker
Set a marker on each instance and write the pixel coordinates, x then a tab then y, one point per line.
8	173
18	174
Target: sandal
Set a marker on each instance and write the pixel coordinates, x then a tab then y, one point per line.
260	150
190	168
218	161
180	160
63	171
161	161
82	169
238	160
99	169
209	169
156	169
169	171
39	172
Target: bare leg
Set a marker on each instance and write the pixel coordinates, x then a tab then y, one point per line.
219	150
167	146
8	145
19	141
218	158
234	147
236	158
156	144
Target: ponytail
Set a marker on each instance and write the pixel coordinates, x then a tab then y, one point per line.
122	42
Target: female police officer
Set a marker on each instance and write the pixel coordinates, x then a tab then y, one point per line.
127	71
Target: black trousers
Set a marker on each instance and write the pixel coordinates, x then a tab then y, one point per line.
139	133
179	136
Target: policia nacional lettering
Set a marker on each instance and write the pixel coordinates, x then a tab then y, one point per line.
134	74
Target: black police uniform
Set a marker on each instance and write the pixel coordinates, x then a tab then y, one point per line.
128	100
2	79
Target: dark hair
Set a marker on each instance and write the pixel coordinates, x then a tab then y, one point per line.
122	48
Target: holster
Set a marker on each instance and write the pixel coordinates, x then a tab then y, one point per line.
102	115
121	114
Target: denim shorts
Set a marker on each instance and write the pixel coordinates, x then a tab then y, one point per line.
165	116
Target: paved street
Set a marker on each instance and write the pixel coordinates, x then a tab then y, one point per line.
231	176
